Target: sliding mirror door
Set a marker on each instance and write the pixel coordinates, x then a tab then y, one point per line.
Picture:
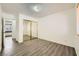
34	30
26	30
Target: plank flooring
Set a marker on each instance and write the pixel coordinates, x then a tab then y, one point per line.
37	47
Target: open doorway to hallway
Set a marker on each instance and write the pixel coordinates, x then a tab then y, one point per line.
7	33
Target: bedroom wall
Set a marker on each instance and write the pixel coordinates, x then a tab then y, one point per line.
76	41
59	27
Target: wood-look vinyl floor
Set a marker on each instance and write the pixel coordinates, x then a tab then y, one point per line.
37	47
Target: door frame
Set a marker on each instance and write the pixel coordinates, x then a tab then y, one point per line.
2	34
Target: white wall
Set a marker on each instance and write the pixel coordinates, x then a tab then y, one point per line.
59	27
0	28
76	41
19	28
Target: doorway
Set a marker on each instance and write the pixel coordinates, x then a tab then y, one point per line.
7	41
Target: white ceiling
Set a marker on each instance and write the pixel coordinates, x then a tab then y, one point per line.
46	8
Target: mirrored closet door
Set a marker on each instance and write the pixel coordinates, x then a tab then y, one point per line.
29	30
